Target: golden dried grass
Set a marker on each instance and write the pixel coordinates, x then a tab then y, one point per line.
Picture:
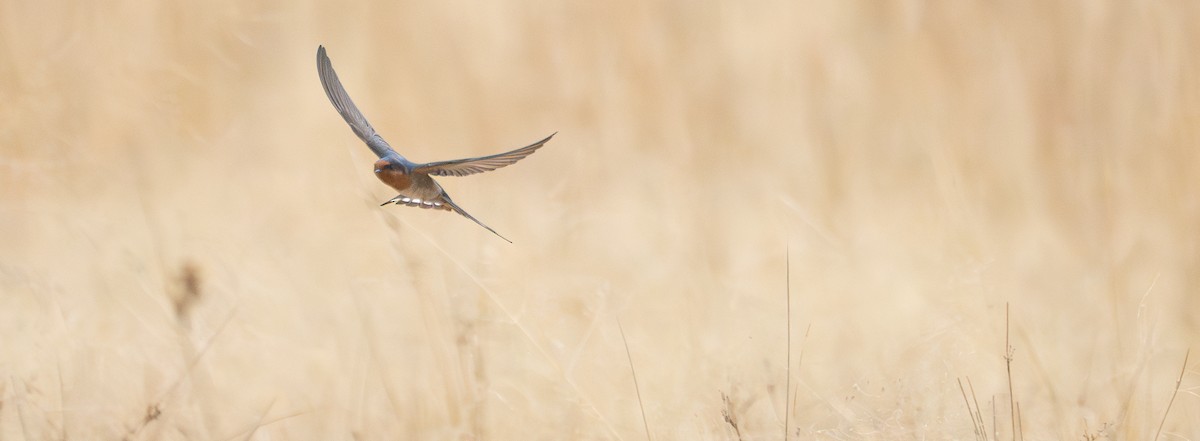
193	249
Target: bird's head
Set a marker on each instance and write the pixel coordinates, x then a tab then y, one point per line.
389	165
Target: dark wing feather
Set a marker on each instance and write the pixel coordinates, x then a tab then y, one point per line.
341	101
470	166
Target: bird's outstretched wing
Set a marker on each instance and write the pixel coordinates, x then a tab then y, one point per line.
341	101
470	166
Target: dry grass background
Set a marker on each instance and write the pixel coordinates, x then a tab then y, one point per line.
192	247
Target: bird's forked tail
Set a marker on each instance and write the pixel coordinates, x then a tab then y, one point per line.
459	210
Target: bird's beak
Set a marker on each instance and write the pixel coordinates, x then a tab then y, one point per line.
378	170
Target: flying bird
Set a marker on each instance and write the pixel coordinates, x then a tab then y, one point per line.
413	180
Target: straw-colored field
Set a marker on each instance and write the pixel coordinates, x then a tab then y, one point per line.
191	246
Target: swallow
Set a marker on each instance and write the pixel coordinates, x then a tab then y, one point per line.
414	181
